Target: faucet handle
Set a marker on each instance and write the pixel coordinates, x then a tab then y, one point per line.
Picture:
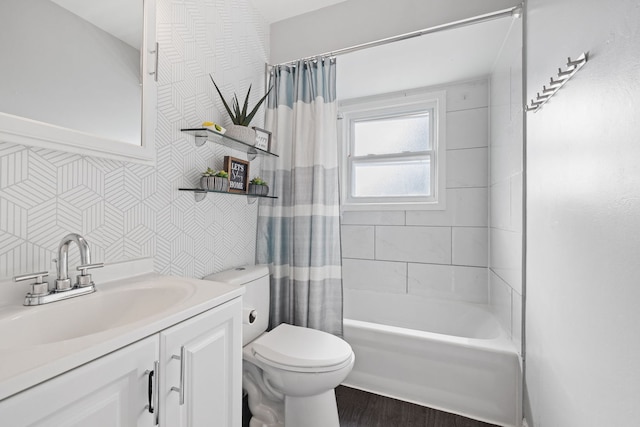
84	279
39	287
83	268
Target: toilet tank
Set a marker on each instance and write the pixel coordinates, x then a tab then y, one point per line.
255	301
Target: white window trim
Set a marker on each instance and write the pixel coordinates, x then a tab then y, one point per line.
388	105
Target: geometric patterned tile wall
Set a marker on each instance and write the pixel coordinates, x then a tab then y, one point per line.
128	211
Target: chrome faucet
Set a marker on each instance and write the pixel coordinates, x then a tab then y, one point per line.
40	293
63	283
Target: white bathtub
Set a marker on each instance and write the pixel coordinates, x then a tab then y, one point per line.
445	355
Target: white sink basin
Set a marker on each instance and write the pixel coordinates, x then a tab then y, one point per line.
40	342
87	314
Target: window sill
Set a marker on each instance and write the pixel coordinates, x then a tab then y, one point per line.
400	206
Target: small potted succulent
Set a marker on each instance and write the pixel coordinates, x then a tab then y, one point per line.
214	180
258	187
241	118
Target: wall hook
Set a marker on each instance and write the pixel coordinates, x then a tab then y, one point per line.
555	84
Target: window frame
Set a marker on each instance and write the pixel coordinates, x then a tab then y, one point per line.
389	106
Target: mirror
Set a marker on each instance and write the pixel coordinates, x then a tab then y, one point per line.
78	75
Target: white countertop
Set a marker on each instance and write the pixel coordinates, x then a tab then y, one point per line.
24	366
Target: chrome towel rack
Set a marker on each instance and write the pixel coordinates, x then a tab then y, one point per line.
555	84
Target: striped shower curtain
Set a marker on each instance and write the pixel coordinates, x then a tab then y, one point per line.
299	233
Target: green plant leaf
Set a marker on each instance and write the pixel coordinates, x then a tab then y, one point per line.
226	106
209	172
236	107
245	107
255	109
239	116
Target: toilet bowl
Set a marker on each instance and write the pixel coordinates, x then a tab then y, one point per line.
290	372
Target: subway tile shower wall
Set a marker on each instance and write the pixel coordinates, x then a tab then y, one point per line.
506	183
128	211
440	254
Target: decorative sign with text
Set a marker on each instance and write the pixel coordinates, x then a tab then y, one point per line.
263	139
238	174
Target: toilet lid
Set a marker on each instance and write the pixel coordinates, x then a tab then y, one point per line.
298	347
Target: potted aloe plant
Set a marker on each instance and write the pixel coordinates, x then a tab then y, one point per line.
214	180
241	117
258	187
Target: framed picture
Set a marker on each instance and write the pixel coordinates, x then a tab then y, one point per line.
263	139
238	171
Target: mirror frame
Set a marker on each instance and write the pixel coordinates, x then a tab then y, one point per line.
24	131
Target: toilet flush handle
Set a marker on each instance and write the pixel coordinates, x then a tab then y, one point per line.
249	315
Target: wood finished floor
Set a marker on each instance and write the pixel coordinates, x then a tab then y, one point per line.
358	408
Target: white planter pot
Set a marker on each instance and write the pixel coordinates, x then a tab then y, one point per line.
242	133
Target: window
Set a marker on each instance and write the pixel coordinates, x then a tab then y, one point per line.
394	153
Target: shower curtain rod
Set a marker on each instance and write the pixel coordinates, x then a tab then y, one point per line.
512	11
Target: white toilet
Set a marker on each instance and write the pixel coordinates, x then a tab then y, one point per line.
289	372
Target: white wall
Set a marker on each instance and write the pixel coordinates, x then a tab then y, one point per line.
128	211
583	217
436	254
505	200
446	56
359	21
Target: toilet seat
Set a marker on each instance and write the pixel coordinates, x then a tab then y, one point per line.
294	348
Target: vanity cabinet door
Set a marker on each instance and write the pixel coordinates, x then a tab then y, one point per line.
108	392
201	370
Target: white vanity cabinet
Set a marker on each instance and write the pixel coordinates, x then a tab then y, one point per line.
201	370
114	390
108	392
